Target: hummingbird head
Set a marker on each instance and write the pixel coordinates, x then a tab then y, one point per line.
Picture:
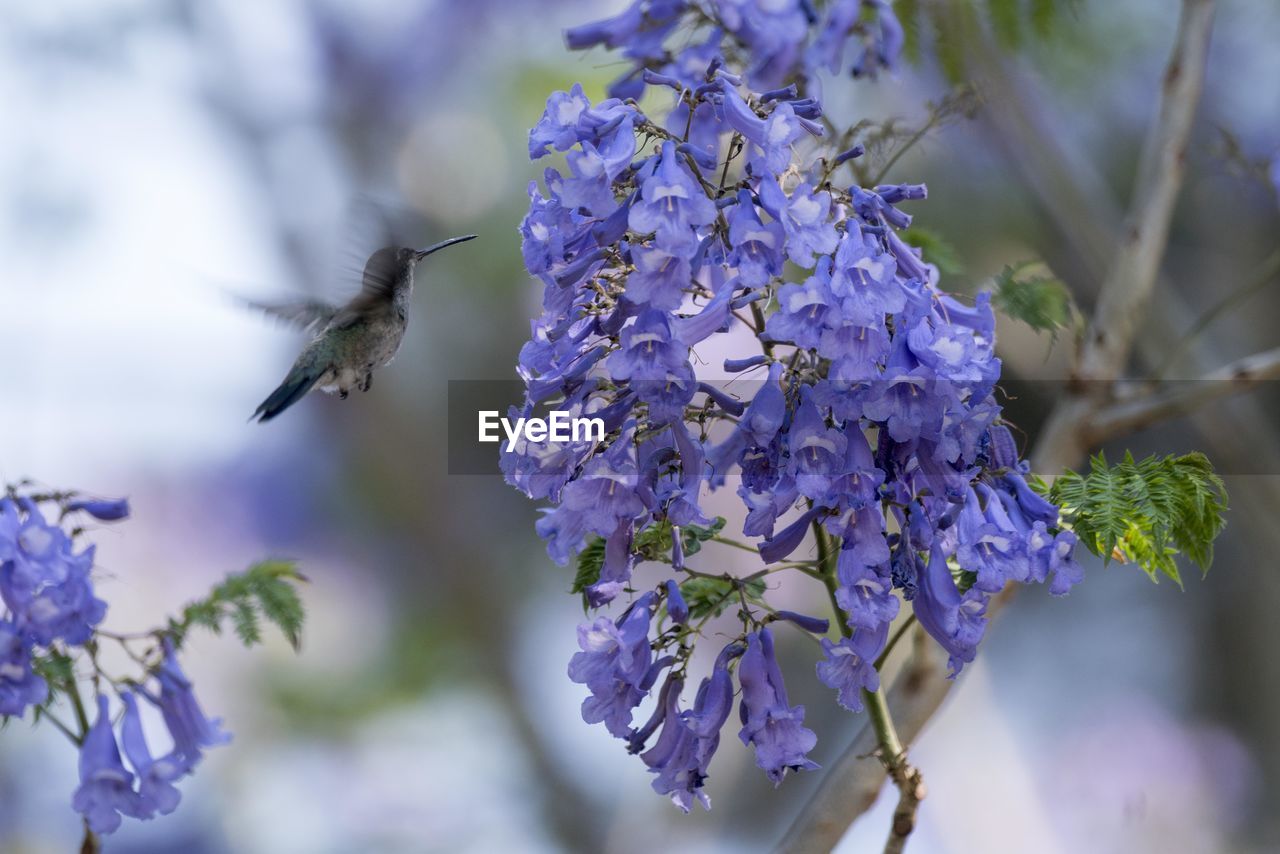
392	266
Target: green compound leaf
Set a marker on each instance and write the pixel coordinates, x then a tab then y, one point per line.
1146	512
266	591
1041	302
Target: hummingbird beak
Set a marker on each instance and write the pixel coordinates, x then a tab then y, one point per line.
423	253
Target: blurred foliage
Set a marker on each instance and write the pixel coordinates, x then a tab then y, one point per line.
1145	512
936	248
1040	301
956	24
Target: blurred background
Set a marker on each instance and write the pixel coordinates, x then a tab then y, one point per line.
159	155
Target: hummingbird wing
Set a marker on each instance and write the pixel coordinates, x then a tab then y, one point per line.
309	315
376	290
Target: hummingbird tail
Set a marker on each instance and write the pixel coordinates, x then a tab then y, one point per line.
293	389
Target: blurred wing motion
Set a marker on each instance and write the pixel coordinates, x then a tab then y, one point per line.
309	315
376	288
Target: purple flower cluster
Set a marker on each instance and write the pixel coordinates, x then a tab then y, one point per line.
48	598
864	415
776	41
108	790
50	614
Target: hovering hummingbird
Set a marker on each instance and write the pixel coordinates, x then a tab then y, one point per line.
353	340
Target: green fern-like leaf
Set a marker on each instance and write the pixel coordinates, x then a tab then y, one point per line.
266	591
1146	512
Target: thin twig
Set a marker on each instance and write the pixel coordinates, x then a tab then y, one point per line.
1266	273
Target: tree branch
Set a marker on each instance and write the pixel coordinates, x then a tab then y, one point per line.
1130	415
1132	277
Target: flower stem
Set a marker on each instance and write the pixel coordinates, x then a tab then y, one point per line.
827	572
91	843
892	753
893	641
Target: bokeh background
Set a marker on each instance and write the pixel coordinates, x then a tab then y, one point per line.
159	155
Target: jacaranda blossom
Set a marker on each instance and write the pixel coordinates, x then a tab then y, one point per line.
858	413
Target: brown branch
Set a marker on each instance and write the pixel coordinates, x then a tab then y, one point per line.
911	792
1130	415
1131	280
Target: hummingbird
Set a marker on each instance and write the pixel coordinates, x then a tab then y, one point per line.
353	340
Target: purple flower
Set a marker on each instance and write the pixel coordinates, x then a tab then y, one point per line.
639	29
865	591
594	168
106	786
757	248
803	309
955	620
558	127
654	360
192	732
772	30
877	420
906	403
990	544
569	119
676	605
805	217
672	203
817	451
769	140
863	280
19	685
44	582
689	739
106	510
769	722
887	44
660	278
827	50
849	667
614	665
156	792
678	758
1062	564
